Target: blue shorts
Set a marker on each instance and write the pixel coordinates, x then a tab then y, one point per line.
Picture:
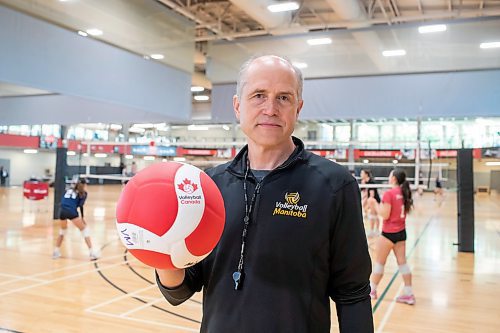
67	214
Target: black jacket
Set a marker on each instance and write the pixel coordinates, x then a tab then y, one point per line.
306	243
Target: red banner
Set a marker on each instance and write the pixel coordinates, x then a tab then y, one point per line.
21	141
196	152
377	153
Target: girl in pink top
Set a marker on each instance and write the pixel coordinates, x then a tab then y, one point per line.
396	203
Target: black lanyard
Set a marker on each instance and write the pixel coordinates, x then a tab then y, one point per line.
238	274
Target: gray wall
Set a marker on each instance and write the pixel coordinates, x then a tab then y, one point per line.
467	93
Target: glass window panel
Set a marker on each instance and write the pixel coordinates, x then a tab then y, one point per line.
432	132
53	130
386	133
406	133
367	133
342	133
24	130
14	129
451	135
36	130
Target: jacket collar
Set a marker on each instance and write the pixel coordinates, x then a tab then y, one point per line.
238	164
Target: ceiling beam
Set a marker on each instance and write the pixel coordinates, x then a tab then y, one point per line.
347	24
371	8
395	7
381	5
186	13
419	4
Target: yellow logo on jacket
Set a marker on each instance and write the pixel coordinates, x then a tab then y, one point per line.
290	207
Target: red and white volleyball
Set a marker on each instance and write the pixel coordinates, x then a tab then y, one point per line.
170	215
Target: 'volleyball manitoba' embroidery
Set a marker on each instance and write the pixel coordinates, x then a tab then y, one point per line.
290	207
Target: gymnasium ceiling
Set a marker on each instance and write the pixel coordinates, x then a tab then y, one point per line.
225	32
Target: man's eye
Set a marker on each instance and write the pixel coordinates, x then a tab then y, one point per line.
259	95
284	98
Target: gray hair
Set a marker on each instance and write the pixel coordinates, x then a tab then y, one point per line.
244	68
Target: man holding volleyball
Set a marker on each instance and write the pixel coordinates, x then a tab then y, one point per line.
294	235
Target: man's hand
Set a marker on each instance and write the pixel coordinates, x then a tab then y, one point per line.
171	278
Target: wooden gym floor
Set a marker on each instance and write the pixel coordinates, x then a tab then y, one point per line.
456	292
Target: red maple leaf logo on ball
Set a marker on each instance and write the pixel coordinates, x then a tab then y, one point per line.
187	186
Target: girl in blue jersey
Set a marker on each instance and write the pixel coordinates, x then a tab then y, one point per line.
73	199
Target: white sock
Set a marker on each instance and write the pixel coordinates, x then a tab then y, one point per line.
373	286
57	249
407	290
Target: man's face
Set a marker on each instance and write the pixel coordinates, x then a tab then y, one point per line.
269	105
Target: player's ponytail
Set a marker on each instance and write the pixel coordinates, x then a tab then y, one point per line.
405	188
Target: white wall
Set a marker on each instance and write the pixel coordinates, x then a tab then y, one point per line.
23	166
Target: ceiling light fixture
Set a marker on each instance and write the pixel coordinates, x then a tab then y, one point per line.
494	163
157	56
70	153
30	151
393	53
144	125
94	32
101	155
197	89
197	128
319	41
490	45
137	130
283	7
201	98
82	33
425	29
149	158
129	157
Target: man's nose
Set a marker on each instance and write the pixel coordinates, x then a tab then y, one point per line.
271	106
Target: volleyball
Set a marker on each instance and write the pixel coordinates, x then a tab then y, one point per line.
170	215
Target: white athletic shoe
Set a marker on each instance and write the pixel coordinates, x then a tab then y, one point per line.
94	255
56	254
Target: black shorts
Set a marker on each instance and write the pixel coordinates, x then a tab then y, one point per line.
395	236
67	215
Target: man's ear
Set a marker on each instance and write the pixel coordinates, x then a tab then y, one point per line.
236	106
299	108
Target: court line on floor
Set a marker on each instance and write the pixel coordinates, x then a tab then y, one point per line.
57	280
388	312
119	298
139	308
125	258
140	299
146	321
379	300
33	276
16	278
